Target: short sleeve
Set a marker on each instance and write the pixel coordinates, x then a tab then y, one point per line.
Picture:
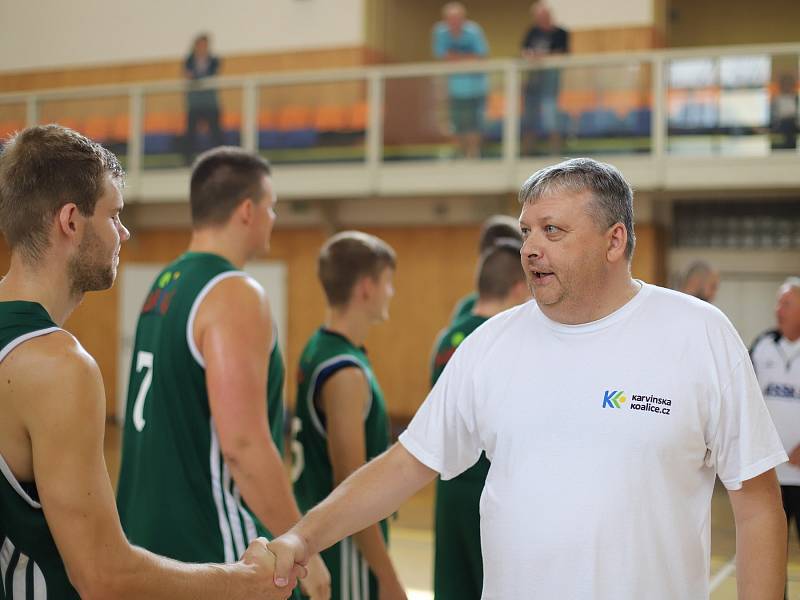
481	45
443	434
745	443
213	66
526	41
439	41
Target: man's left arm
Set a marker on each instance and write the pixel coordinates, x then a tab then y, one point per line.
760	538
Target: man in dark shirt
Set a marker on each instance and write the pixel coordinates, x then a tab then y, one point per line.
544	38
202	104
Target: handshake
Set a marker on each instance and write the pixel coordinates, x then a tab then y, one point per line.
276	567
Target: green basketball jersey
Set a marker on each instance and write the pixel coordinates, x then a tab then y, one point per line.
463	307
176	496
458	568
30	566
325	354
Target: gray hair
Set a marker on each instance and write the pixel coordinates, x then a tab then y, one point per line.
613	196
791	282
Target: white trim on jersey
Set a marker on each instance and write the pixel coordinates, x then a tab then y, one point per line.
18	587
353	572
18	578
196	307
249	524
344	570
364	576
6	551
215	459
15	485
24	338
233	511
355	580
312	409
4	468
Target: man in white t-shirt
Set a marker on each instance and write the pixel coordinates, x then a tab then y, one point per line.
776	359
607	406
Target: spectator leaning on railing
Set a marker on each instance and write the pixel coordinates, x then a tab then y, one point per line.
454	39
202	104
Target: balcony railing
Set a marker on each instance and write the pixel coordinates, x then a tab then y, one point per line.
671	119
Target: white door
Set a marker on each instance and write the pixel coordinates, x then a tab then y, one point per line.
135	281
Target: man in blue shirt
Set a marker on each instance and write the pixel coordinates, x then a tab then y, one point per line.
457	39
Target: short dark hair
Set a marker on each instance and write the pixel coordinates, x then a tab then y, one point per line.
222	178
613	196
347	257
497	227
499	269
43	168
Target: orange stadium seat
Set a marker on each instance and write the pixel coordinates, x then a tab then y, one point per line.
98	128
120	126
496	106
231	120
358	117
330	118
266	119
294	116
163	122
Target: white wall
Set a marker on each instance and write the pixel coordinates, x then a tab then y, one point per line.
580	14
39	34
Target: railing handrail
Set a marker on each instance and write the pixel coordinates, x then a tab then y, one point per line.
390	71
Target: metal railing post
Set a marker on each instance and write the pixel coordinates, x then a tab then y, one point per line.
511	120
249	132
374	135
136	132
658	116
31	111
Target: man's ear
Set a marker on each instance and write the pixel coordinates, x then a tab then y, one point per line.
363	287
617	242
245	211
67	219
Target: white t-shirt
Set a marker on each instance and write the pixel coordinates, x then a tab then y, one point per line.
777	364
585	500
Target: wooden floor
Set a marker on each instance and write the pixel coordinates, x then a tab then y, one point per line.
411	542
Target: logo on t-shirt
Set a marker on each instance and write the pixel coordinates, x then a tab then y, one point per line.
641	402
784	391
613	399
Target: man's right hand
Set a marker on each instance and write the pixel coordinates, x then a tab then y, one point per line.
259	556
317	584
290	553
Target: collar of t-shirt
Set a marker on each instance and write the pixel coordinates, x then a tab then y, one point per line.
790	349
618	315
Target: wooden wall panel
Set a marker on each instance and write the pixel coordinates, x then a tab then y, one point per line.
298	248
724	22
173	69
649	259
615	39
435	268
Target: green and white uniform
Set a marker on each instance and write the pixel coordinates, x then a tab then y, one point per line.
325	354
176	496
458	564
30	566
463	307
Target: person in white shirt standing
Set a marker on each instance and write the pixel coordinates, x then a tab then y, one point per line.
776	359
606	407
